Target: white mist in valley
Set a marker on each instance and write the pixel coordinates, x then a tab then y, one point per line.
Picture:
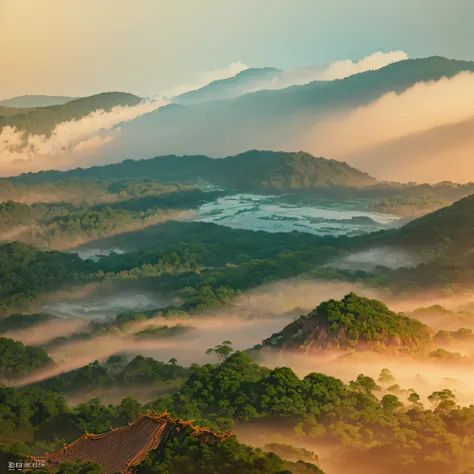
252	317
383	256
255	316
43	333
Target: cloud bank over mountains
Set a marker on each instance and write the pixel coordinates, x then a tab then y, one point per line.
336	70
390	137
78	142
393	136
70	143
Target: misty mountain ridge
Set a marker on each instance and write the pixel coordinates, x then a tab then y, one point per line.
400	74
271	119
42	120
35	101
228	88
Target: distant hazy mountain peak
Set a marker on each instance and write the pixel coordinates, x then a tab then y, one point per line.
230	87
34	101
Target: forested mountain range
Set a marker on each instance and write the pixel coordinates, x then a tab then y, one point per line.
251	170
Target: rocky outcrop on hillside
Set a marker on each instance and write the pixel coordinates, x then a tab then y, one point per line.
354	323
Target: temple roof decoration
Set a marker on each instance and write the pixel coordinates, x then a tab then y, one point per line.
120	449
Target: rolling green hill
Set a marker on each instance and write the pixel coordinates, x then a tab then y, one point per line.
253	170
444	239
446	232
451	226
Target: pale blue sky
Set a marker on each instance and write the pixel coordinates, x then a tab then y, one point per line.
80	47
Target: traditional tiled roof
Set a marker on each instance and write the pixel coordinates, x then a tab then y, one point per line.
119	449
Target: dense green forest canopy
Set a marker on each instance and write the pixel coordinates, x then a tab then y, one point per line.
369	424
60	227
379	432
200	257
65	225
26	273
116	371
18	360
193	456
205	257
23	321
37	419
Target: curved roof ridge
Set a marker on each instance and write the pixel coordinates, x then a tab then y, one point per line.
128	445
111	431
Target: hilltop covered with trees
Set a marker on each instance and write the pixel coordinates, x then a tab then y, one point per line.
250	171
353	323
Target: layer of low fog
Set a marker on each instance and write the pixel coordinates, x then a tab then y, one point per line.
253	317
104	303
43	333
368	260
